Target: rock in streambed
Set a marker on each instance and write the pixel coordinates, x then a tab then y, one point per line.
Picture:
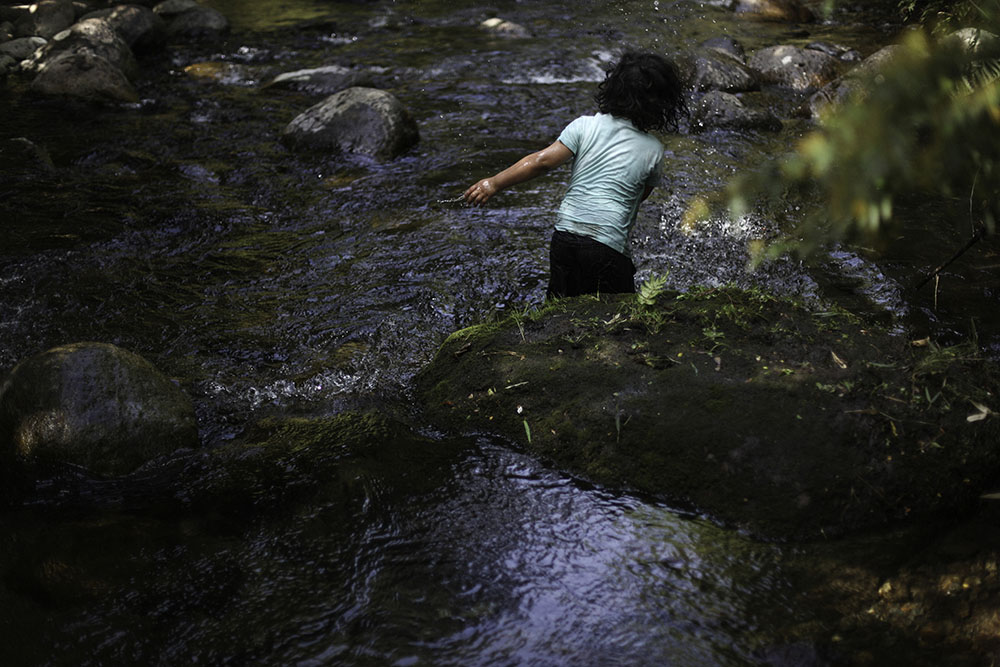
753	409
92	405
361	120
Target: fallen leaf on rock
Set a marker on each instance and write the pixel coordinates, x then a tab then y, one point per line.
983	412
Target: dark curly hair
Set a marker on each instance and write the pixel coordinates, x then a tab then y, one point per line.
645	89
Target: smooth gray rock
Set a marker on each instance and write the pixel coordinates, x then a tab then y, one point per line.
793	67
710	69
141	28
22	48
91	37
92	405
90	61
357	120
83	76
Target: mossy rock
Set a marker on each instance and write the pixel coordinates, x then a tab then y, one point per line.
754	409
92	405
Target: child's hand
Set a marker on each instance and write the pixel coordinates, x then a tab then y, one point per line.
480	193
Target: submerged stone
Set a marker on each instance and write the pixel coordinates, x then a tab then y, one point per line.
282	460
20	157
717	110
325	80
753	409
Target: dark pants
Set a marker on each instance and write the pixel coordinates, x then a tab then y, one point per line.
581	265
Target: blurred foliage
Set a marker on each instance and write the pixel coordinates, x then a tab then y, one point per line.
942	16
927	122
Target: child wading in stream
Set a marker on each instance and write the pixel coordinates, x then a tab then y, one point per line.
615	166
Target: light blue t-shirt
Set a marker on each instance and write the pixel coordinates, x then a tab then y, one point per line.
613	163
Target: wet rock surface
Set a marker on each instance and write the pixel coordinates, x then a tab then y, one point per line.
93	405
356	120
141	28
855	81
752	409
715	69
794	67
718	110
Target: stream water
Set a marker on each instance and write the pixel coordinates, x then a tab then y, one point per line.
270	282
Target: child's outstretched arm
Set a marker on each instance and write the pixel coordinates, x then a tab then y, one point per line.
528	167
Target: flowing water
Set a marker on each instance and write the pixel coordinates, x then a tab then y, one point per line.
271	282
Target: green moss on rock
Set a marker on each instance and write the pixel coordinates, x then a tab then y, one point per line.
754	409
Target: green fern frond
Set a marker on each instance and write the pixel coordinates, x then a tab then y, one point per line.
651	288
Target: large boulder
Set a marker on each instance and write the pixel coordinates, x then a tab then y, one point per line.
794	67
89	61
141	28
756	410
92	405
83	76
789	11
717	110
714	69
357	120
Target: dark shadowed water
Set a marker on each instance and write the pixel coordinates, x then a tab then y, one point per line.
274	282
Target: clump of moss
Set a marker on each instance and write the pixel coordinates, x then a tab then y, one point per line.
739	403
